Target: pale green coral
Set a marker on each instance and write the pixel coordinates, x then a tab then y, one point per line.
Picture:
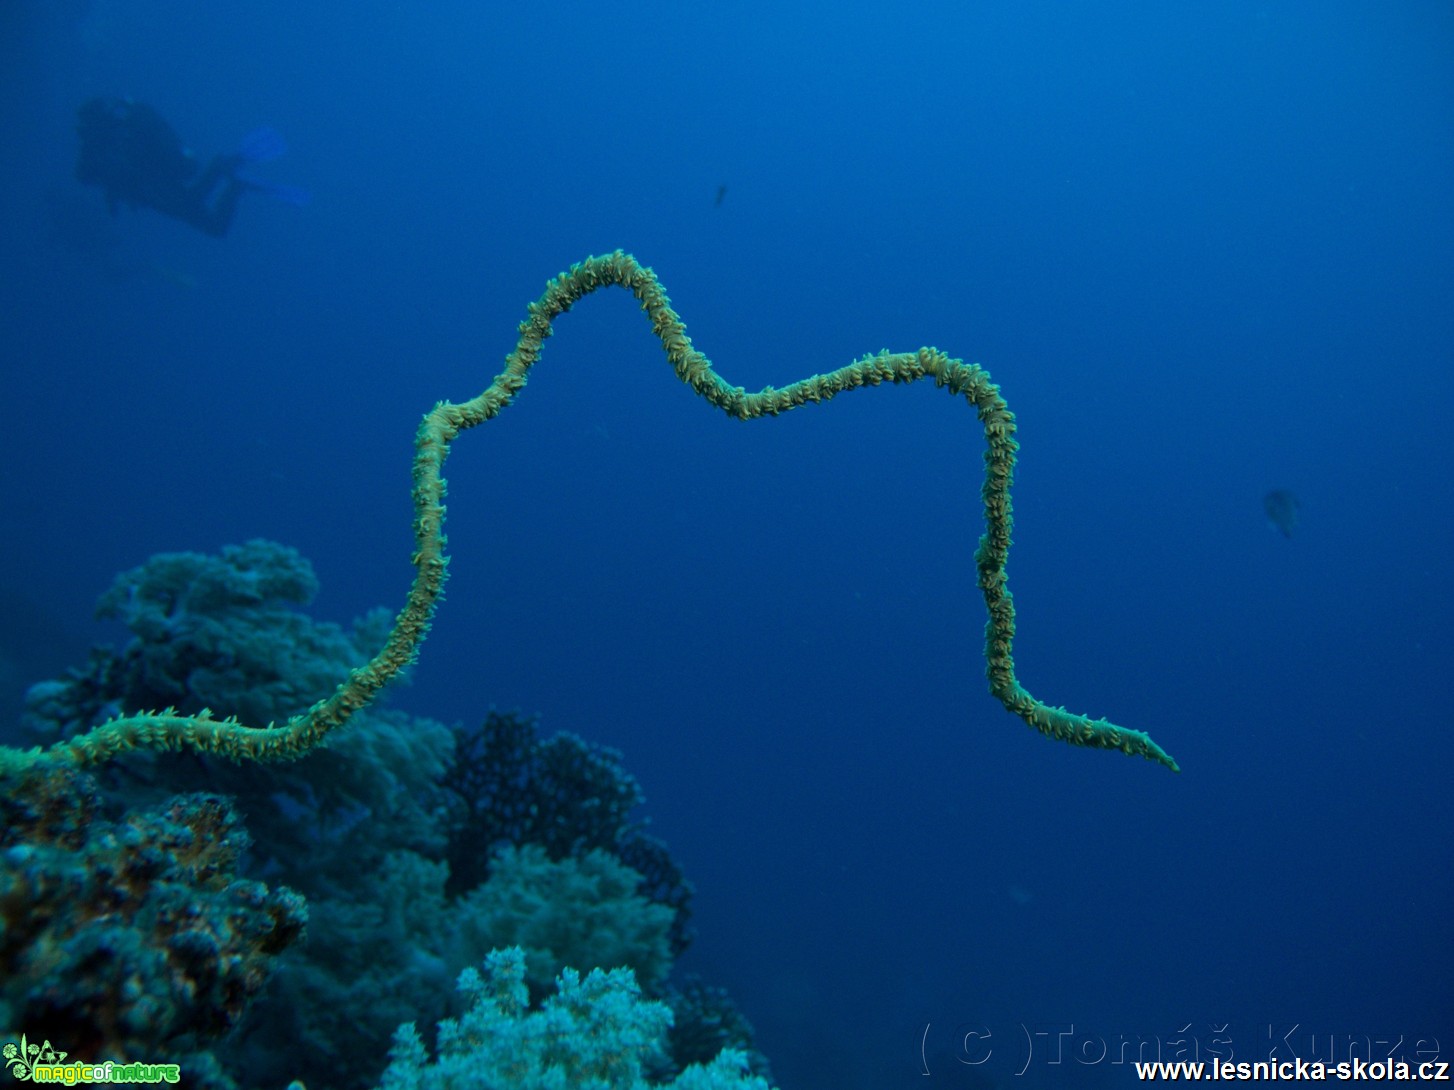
388	952
583	912
593	1033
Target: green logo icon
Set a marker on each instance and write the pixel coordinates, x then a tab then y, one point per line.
22	1058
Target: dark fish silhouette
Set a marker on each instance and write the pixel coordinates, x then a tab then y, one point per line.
1281	507
721	192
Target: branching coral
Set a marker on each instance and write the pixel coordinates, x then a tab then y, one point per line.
594	1033
205	732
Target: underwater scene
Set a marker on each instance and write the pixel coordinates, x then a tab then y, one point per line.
941	576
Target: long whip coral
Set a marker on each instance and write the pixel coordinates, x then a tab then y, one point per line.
167	730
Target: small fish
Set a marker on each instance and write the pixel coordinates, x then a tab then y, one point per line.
721	192
1281	507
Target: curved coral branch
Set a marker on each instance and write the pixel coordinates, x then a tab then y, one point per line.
229	738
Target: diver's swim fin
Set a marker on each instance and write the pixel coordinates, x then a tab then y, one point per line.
262	145
297	196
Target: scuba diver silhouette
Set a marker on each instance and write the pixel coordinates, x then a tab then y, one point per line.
130	151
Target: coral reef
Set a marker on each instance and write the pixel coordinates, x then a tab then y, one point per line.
387	953
207	733
594	1033
225	632
584	913
705	1022
508	786
222	632
418	847
123	937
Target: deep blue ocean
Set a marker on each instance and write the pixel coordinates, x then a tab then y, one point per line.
1207	252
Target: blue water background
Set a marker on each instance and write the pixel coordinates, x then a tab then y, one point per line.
1206	250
